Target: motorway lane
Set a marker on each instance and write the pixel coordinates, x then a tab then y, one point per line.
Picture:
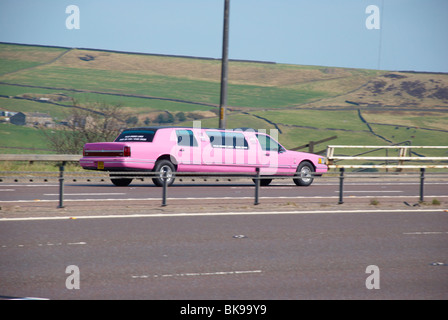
273	256
321	188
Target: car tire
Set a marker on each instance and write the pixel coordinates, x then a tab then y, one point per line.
159	168
305	172
121	182
263	182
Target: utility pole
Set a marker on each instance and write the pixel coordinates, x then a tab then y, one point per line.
224	67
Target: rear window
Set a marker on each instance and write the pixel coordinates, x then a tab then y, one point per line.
136	136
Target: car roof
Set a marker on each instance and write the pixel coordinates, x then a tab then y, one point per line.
155	128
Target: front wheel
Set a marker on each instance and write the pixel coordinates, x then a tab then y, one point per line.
160	167
304	173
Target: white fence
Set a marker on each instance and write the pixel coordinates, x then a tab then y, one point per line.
402	159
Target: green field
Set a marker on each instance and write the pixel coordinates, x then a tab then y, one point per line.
307	103
20	139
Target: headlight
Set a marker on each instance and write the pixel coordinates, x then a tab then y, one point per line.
321	161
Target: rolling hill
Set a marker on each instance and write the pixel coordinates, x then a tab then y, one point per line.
304	102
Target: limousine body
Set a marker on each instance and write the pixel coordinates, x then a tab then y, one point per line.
180	149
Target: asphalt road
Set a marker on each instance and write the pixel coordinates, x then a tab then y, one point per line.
236	190
264	256
126	247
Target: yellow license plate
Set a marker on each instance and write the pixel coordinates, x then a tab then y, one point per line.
100	165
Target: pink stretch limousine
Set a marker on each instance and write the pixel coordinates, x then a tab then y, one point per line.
179	149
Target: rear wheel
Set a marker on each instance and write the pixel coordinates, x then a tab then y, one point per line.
263	182
304	173
160	167
120	182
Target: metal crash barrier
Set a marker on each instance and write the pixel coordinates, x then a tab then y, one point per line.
406	158
62	177
403	161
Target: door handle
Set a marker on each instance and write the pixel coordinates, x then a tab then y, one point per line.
181	150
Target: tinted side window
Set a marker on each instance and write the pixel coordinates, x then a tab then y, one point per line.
239	141
215	139
227	140
136	136
186	138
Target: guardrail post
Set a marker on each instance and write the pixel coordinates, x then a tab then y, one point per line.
422	182
165	180
341	186
257	186
61	185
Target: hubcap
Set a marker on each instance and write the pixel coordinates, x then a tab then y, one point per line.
305	174
169	173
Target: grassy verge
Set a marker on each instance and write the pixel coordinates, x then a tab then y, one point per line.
25	166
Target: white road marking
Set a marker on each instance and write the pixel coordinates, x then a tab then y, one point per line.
426	232
267	188
30	185
85	194
273	186
28	298
369	191
218	198
48	244
7	190
166	215
376	183
196	274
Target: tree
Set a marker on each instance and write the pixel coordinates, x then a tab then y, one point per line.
181	116
132	121
160	118
94	123
195	116
165	118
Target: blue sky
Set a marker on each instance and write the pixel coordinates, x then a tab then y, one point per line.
413	34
